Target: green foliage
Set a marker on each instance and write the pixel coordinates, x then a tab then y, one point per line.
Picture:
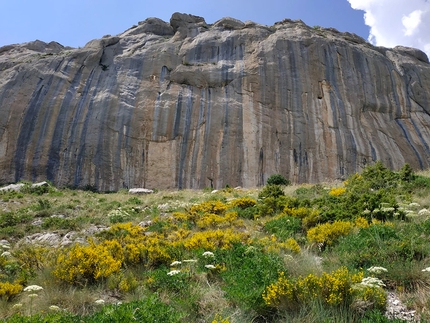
368	220
283	226
159	280
278	179
329	233
248	271
384	245
339	288
147	310
274	191
376	316
56	223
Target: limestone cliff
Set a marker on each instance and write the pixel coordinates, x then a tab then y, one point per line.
169	105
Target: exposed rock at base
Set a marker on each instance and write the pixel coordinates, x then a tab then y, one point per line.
140	191
19	186
397	310
172	104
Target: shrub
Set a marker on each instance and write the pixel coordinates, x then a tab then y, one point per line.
328	233
59	223
210	240
274	191
278	179
310	217
338	288
86	264
337	191
215	207
243	202
283	226
213	220
248	271
8	290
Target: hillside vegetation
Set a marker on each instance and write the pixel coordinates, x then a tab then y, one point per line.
309	253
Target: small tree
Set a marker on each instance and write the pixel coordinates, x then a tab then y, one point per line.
278	179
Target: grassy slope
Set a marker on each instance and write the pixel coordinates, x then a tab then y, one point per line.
251	246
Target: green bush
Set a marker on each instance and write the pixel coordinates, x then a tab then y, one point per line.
271	200
248	271
274	191
278	179
284	226
147	310
383	245
56	223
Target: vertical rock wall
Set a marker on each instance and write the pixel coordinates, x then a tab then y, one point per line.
169	105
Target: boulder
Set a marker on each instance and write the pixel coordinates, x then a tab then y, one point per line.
140	191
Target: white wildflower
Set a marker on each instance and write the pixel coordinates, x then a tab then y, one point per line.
54	308
426	269
387	209
5	246
175	263
33	295
163	207
99	302
409	211
424	212
18	305
372	282
189	260
6	254
210	266
33	288
377	270
173	272
413	204
208	254
366	211
118	213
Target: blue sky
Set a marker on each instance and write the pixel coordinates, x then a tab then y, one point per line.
74	23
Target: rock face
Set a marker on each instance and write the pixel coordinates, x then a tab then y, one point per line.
183	104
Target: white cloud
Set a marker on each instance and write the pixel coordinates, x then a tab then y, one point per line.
397	22
412	22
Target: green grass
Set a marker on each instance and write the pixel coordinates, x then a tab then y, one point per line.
248	243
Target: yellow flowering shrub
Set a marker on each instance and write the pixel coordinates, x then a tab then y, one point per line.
280	293
83	264
8	290
292	245
308	287
124	233
273	245
214	220
328	233
181	216
337	191
361	223
124	282
333	289
300	212
215	207
33	257
336	286
212	239
373	297
243	202
309	216
219	319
